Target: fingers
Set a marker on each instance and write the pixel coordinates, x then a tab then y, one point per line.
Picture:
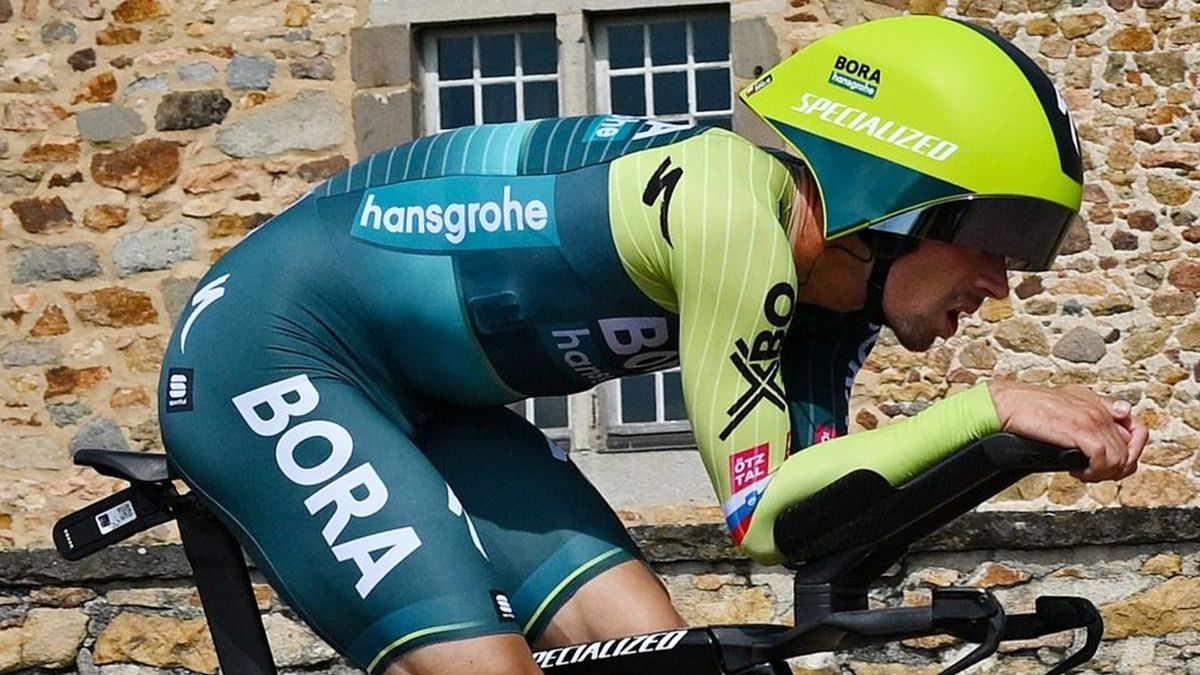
1121	410
1137	443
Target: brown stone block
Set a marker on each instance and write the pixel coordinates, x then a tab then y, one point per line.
1080	25
296	14
105	217
1163	564
1170	159
1023	335
40	214
321	169
1118	97
982	9
1041	26
57	149
129	397
1185	275
1156	487
935	7
224	175
1170	607
1065	489
144	355
1104	493
144	168
1166	454
61	597
99	89
1132	39
114	307
51	322
1078	238
118	35
1143	343
1027	489
1166	114
993	310
978	355
31	115
63	380
866	420
158	641
1173	304
65	180
732	605
232	224
134	11
49	638
1121	157
998	575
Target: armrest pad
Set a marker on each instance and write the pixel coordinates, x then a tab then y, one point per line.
862	508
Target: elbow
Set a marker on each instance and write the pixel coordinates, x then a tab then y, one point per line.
759	542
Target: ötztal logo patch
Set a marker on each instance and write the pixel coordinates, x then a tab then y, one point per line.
749	466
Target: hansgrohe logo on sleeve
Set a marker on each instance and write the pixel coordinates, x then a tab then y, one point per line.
460	212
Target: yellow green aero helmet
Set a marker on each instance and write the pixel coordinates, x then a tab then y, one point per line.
930	128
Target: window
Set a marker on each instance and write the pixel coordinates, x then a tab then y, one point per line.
653	398
673	66
499	74
548	413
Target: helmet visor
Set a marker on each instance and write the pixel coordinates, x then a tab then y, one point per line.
1025	230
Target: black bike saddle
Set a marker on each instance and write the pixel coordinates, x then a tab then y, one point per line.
135	467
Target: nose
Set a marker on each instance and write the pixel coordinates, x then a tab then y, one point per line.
993	276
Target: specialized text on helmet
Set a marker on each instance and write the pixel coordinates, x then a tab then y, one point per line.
888	131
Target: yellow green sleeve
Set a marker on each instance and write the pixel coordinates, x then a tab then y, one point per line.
727	270
898	452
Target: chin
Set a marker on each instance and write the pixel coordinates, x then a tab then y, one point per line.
912	337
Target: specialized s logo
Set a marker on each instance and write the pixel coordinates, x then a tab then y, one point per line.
201	299
663	183
758	362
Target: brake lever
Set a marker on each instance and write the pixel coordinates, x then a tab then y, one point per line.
964	612
1053	614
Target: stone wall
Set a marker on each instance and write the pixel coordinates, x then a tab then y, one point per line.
140	139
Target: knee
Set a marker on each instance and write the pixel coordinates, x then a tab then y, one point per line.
491	655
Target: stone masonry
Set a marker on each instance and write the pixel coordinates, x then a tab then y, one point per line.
140	139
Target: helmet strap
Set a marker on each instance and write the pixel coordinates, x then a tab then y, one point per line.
887	248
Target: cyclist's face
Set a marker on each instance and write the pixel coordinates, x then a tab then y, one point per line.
929	288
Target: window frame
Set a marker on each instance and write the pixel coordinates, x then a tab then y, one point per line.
602	73
431	81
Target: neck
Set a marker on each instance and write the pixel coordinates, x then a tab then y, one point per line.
831	274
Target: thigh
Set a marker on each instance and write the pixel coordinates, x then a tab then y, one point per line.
546	530
341	511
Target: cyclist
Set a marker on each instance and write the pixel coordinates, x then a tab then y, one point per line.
335	390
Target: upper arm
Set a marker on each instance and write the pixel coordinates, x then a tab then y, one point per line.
735	281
